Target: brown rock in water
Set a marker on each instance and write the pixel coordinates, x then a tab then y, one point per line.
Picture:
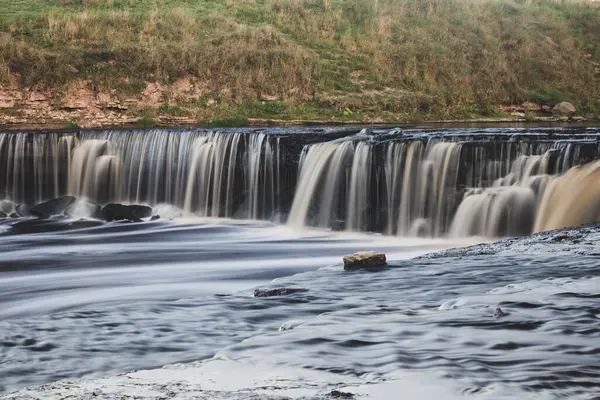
560	237
364	259
563	109
277	292
499	312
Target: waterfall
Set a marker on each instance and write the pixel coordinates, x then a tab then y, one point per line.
420	182
324	170
432	185
209	173
509	206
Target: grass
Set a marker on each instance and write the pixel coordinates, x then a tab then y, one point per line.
146	122
72	124
292	59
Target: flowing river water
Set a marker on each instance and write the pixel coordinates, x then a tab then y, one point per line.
279	208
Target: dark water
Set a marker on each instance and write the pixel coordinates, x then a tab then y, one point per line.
118	297
106	300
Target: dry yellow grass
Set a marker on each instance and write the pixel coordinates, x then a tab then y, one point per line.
438	58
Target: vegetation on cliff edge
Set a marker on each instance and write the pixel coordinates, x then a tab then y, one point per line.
343	59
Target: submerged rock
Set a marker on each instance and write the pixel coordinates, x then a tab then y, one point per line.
51	207
277	292
364	259
560	237
336	394
563	109
119	212
499	312
84	223
155	217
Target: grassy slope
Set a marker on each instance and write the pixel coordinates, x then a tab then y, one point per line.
353	59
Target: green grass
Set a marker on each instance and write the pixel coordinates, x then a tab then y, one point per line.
337	59
72	124
146	123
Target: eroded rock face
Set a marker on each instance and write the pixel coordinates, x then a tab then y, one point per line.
364	259
563	109
119	212
51	207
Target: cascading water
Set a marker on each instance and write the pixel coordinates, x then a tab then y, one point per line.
429	185
210	173
509	206
401	182
571	199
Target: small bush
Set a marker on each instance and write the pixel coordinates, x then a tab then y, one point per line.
72	124
146	123
175	111
273	107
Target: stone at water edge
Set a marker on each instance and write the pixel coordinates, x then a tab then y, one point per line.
563	109
277	292
51	207
85	223
364	259
120	212
3	215
499	312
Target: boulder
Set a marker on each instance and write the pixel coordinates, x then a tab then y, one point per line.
13	215
3	215
7	206
85	223
84	208
277	292
336	394
364	259
51	207
119	212
155	217
563	109
560	237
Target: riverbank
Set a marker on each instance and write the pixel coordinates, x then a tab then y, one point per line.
31	120
99	63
